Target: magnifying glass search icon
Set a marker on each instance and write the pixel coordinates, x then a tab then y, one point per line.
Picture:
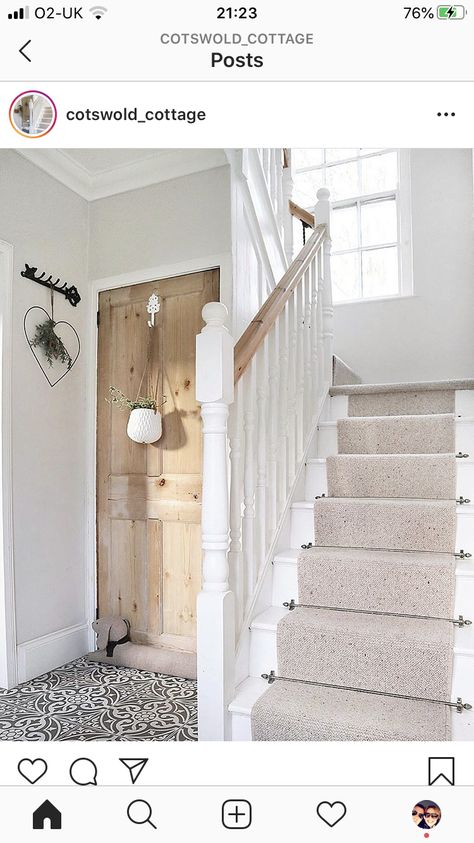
139	812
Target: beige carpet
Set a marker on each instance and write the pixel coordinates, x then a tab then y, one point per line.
384	542
392	476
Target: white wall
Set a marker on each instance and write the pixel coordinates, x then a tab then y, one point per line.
429	336
47	225
138	229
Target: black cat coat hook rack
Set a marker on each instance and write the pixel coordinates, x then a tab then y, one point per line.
71	293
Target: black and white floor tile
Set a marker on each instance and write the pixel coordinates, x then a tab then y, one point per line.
88	701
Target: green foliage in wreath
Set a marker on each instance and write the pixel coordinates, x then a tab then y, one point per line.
51	345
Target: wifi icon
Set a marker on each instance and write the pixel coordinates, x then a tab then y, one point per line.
98	11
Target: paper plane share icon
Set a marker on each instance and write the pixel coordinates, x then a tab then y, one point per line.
134	766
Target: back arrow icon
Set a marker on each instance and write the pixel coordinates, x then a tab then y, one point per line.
22	48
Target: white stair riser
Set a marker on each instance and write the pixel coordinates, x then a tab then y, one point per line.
302	527
241	727
285	588
316	479
464	402
338	407
327	438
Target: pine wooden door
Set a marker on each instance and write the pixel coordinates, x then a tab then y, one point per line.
149	496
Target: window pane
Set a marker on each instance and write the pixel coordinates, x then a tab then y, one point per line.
306	188
307	158
344	229
345	277
379	173
342	180
380	272
340	154
379	223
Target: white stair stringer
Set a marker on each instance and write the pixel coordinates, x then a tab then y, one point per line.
284	586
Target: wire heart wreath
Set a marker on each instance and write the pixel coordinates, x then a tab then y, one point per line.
72	360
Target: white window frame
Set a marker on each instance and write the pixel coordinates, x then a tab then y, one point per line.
402	197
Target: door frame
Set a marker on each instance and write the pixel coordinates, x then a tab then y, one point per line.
222	262
8	641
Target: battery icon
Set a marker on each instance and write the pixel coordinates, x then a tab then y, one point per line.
451	12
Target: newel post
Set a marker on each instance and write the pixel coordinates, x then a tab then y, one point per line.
322	214
215	605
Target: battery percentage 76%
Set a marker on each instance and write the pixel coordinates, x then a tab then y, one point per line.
419	12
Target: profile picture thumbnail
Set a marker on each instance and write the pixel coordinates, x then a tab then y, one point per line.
426	814
33	114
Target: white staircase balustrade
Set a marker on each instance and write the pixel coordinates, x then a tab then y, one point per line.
282	372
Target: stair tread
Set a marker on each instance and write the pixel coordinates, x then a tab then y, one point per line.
415	386
365	625
292	711
247	694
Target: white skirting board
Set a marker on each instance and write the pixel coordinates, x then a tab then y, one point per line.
50	651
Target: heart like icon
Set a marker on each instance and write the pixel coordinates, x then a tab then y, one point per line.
65	331
331	813
32	771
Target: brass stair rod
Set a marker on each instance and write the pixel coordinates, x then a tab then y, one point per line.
459	705
460	621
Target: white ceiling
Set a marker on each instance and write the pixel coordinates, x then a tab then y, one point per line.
95	173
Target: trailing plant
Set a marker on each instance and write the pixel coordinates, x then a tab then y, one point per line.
120	400
51	345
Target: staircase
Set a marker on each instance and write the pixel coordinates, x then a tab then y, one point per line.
337	532
45	120
371	646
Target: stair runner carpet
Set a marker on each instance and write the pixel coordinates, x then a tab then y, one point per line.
384	543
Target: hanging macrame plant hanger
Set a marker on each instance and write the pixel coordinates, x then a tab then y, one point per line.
144	424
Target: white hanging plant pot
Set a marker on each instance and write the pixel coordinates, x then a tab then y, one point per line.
144	426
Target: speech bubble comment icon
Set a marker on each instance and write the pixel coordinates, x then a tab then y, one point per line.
83	772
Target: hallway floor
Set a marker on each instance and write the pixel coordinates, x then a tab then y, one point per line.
87	701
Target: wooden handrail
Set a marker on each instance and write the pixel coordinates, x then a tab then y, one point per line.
301	214
266	317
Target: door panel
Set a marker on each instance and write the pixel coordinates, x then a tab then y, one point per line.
149	496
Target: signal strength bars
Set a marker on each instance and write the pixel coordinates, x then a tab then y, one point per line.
20	14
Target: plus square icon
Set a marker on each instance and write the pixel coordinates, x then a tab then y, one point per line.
236	813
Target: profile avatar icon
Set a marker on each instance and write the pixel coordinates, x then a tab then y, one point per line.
33	114
426	815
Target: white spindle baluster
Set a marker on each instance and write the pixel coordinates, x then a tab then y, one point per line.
308	378
215	604
292	385
261	440
236	482
273	404
248	523
315	275
273	179
283	410
300	372
287	188
323	214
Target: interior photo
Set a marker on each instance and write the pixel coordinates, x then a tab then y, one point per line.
236	444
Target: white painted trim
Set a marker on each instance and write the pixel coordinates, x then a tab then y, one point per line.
50	651
8	660
221	261
159	166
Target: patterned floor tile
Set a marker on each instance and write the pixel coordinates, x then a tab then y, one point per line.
88	701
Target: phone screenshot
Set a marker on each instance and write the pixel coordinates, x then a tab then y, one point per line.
236	421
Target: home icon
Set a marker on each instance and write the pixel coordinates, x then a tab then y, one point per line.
46	812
